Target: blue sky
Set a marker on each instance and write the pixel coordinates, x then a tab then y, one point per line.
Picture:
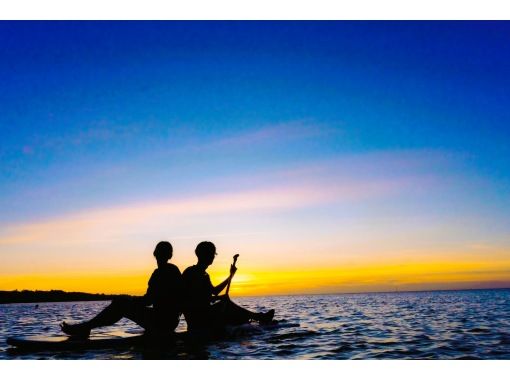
98	115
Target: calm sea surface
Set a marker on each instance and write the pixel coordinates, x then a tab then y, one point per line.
421	325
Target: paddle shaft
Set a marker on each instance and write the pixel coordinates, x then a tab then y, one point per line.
230	280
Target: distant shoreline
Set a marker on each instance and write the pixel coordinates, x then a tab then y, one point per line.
41	296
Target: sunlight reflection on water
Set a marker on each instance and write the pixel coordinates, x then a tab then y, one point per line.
421	325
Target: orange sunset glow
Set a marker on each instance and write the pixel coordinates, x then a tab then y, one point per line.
336	164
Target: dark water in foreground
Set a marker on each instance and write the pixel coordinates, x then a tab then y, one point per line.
421	325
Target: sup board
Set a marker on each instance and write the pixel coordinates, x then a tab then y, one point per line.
65	343
45	343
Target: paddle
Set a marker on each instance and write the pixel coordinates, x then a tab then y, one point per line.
230	280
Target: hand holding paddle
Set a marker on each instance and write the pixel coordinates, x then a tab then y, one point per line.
233	270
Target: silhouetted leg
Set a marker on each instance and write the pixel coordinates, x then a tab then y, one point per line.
227	312
235	314
118	309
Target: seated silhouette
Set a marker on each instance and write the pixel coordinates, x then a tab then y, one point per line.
203	309
164	293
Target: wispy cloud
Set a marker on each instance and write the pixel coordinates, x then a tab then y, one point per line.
96	132
260	211
100	131
265	134
328	182
27	150
97	223
278	132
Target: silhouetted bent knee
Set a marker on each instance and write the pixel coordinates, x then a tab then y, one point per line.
199	294
164	293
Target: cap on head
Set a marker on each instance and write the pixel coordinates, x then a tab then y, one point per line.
163	251
205	249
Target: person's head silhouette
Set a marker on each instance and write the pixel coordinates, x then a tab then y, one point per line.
163	252
205	252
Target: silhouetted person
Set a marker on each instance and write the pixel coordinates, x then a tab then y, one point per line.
164	293
199	294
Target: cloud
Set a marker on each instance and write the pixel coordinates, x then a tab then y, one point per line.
350	179
96	132
116	238
273	199
27	150
278	132
276	208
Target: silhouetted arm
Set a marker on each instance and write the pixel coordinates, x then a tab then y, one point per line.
148	298
218	288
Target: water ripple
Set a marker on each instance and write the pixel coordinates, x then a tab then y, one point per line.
421	325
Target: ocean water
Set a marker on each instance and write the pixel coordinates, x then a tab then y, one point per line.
416	325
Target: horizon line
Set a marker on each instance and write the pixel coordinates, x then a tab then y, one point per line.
278	295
